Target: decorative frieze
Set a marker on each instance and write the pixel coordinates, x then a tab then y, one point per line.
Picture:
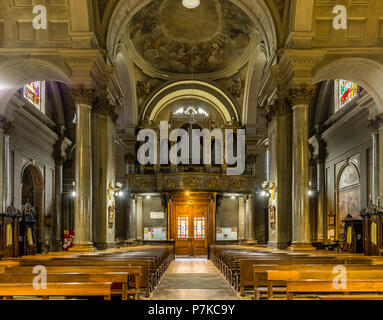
173	182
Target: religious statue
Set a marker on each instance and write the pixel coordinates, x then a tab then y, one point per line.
272	213
28	209
111	213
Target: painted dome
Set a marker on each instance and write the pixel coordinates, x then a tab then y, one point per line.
174	39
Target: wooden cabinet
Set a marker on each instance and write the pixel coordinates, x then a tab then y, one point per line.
353	235
9	233
372	231
28	235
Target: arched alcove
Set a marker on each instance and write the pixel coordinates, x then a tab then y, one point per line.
347	195
33	193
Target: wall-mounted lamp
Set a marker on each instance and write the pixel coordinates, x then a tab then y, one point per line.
268	190
312	191
115	191
74	193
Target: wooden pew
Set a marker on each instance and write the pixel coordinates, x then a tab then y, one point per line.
57	290
153	261
261	274
146	279
247	272
133	274
325	286
53	278
362	274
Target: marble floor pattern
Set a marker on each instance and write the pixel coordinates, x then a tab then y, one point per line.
193	279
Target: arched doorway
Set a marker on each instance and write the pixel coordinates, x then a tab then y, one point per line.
33	192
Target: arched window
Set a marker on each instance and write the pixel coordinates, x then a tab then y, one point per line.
345	91
191	110
34	92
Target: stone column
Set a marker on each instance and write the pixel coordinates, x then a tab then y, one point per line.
103	171
374	127
5	165
250	217
300	101
320	162
241	216
279	130
139	218
132	219
58	231
84	100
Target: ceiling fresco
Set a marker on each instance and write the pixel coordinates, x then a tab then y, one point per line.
207	39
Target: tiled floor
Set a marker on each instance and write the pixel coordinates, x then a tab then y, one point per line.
193	279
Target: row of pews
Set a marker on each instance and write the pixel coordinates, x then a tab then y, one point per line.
122	272
276	274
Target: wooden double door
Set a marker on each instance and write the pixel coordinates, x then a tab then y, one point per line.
191	224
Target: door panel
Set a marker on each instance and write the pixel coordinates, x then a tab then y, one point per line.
191	227
182	230
200	227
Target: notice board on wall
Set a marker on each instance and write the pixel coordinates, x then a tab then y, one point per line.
154	233
157	215
229	233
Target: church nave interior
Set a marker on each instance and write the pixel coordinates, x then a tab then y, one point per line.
191	149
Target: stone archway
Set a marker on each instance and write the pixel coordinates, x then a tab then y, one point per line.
18	72
365	72
33	191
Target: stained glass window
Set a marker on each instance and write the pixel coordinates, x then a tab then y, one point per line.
32	92
199	228
345	91
183	228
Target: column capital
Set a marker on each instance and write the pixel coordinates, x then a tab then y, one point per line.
375	124
103	106
279	108
6	126
301	95
83	95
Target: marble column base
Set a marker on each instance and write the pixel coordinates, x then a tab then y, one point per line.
58	245
278	245
83	247
105	245
301	247
250	241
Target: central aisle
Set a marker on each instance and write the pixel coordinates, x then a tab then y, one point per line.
193	279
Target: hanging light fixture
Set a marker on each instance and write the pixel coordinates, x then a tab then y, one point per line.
191	4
